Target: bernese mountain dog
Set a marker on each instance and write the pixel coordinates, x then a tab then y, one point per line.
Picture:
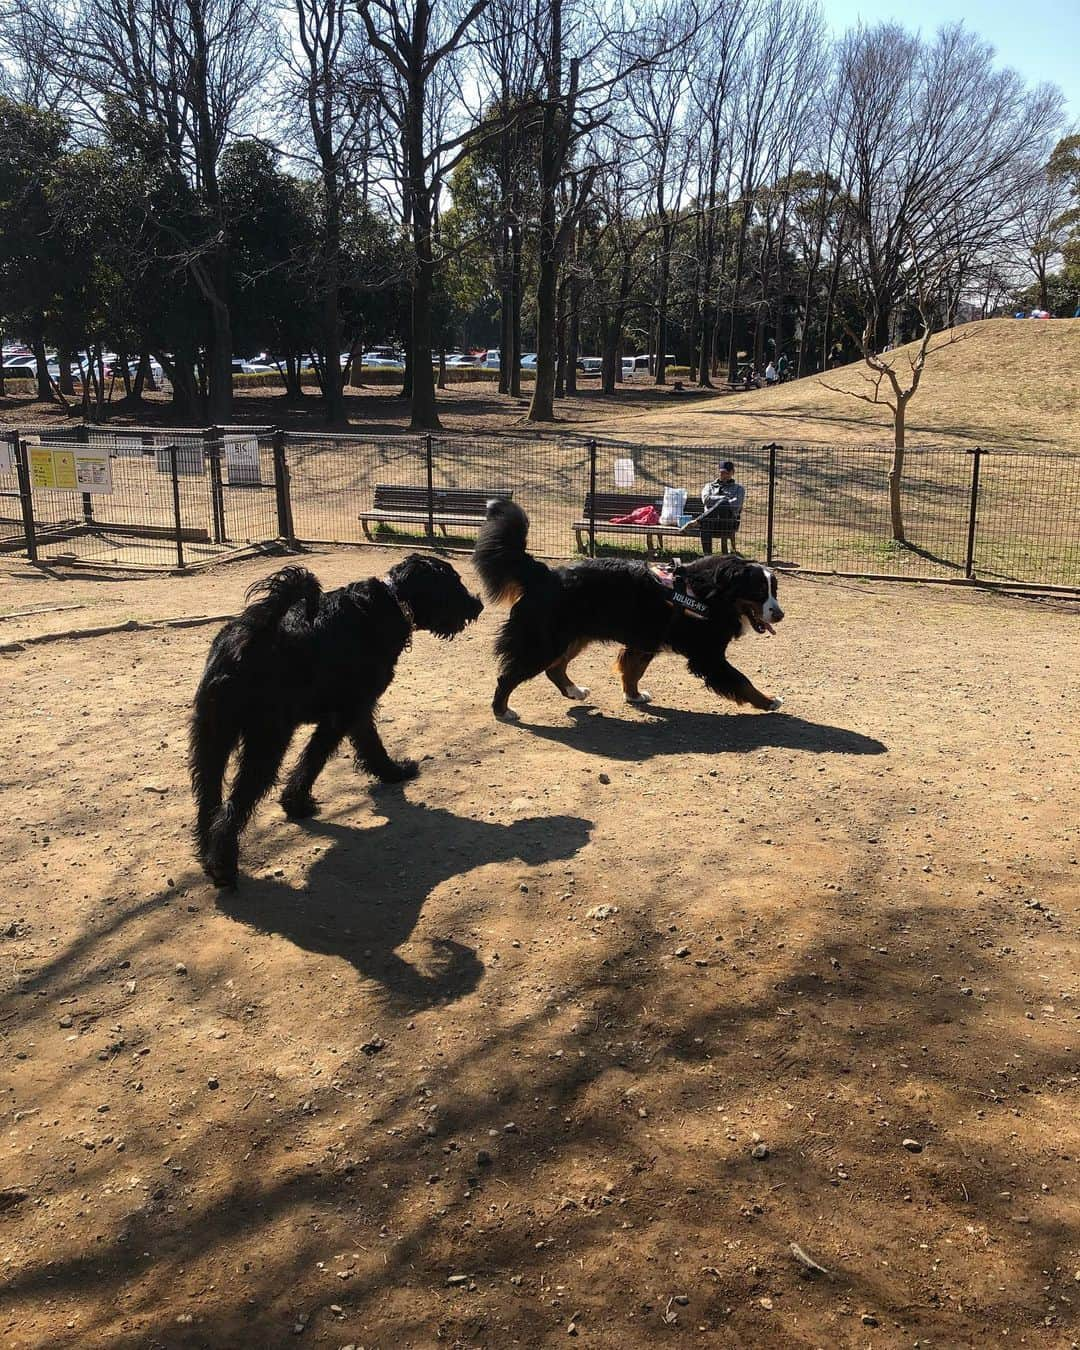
694	609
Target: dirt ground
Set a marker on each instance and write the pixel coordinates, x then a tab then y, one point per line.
579	1036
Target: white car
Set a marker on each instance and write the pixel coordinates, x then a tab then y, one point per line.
528	361
491	360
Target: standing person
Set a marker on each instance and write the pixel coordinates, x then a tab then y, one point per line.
723	501
771	375
782	366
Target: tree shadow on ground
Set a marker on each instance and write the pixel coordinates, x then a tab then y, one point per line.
363	897
673	731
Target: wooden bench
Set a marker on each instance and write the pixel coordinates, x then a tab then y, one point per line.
398	504
607	504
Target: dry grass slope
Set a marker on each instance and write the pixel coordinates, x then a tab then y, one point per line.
1004	383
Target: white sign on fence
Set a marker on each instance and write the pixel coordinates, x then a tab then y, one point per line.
242	461
93	471
624	473
7	457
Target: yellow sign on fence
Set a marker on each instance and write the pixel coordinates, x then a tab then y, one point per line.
52	468
70	470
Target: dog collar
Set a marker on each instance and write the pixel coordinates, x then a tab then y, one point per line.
403	605
689	604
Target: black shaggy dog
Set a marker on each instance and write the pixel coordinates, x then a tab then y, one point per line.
297	655
695	610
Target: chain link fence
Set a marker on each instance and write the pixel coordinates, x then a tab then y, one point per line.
179	498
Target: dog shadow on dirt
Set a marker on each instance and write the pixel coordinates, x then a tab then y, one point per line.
674	731
363	896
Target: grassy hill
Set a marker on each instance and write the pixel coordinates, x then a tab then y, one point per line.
1005	382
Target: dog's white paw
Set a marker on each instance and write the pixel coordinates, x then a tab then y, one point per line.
776	704
642	696
576	692
508	716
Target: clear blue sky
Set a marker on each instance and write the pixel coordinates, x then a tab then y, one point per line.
1038	38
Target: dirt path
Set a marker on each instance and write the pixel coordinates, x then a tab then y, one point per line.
408	1087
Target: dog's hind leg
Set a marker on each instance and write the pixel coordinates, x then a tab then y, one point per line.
296	798
515	672
632	663
558	676
260	758
371	755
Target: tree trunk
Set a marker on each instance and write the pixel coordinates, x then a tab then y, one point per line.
560	341
542	408
44	384
573	350
219	372
425	416
333	375
517	284
662	304
896	474
66	381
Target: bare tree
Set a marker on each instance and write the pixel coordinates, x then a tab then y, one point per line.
658	95
416	43
933	131
187	72
886	383
783	46
1042	226
334	92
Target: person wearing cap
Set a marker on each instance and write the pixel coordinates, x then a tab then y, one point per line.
723	502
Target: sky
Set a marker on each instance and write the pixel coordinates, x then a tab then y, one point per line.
1038	38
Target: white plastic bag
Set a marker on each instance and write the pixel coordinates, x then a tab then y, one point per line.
672	509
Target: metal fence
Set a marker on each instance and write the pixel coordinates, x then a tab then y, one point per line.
181	498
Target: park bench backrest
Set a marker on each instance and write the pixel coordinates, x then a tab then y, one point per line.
445	501
608	504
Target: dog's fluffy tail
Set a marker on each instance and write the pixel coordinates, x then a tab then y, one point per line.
501	558
279	593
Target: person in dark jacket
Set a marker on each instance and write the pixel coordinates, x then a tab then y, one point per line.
723	501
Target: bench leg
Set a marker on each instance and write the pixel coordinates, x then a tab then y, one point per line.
365	526
577	538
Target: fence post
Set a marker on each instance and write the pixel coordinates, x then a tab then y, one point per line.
969	563
87	500
26	499
281	490
771	506
430	487
213	450
592	498
176	505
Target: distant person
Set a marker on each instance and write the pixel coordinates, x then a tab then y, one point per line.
772	376
723	502
749	378
783	366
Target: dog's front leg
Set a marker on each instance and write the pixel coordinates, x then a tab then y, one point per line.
296	798
371	755
725	680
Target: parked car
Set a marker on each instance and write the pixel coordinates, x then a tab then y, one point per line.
383	358
491	359
632	365
528	361
460	359
590	365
